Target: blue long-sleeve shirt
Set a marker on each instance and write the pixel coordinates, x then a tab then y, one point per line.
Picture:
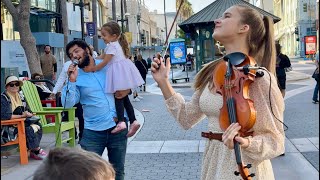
98	106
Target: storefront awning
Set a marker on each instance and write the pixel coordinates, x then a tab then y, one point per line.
44	12
214	11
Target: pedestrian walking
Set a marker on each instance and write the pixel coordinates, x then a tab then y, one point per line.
142	66
99	111
240	29
48	65
315	75
282	62
121	74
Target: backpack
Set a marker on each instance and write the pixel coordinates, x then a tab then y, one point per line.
8	133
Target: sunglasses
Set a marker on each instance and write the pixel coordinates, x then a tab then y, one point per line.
38	78
14	84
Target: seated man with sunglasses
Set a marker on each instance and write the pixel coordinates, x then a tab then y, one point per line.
43	90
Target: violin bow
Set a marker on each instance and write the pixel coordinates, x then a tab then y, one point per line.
168	35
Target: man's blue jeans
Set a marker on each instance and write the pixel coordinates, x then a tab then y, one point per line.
116	144
315	92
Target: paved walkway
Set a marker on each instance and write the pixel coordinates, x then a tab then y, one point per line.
180	152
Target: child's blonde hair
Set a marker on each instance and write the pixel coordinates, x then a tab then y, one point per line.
75	164
113	28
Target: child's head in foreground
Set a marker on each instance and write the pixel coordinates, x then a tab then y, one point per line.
74	164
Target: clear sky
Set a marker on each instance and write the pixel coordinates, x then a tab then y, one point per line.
197	5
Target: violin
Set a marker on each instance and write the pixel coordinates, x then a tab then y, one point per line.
233	84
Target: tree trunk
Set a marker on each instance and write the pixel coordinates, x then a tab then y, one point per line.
21	16
65	28
94	20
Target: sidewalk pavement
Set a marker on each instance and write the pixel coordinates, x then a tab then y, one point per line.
291	166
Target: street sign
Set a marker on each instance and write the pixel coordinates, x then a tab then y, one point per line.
310	44
91	28
178	52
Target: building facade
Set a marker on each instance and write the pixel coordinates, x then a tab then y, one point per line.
298	19
146	34
46	25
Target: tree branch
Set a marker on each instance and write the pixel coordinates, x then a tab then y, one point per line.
12	10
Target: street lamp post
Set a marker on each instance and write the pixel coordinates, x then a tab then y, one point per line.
122	20
81	5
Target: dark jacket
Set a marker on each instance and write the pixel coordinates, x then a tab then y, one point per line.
142	67
282	62
6	110
43	95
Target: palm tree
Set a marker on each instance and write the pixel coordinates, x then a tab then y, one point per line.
186	10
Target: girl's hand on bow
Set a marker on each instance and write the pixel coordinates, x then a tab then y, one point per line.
230	135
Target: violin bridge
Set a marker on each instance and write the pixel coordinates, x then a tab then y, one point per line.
227	87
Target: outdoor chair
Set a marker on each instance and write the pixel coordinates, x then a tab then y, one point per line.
21	139
33	100
52	103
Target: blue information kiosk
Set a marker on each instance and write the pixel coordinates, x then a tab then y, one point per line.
178	55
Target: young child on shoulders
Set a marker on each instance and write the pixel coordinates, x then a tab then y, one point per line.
121	74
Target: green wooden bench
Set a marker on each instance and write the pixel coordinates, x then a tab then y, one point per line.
33	100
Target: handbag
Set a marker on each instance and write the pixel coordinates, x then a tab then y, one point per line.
288	69
8	133
144	67
315	75
31	120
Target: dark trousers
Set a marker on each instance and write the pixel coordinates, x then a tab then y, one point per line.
79	114
316	92
122	104
116	144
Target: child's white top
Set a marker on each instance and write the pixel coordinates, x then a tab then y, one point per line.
115	49
121	73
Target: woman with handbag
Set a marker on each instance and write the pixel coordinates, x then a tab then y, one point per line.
142	66
282	66
316	77
13	106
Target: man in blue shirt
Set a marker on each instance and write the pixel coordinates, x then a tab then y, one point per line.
98	107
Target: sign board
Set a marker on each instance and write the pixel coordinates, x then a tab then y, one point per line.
310	45
12	55
178	52
74	17
91	28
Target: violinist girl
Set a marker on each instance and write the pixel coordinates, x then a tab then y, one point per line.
240	29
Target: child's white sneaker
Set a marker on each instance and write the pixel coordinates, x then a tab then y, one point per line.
140	97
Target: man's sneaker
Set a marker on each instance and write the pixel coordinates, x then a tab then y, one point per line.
136	99
42	155
315	101
140	97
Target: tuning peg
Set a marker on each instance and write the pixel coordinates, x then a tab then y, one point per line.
248	166
236	173
251	175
